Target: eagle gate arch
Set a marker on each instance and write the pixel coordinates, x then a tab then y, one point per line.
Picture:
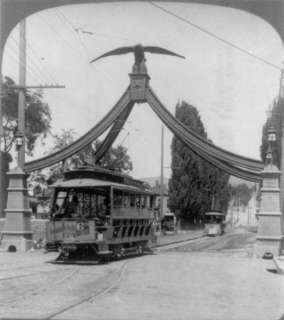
17	227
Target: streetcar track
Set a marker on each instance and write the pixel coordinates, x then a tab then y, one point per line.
30	274
93	295
31	291
176	244
21	268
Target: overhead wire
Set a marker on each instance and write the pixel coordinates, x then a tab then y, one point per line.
77	31
91	32
59	35
42	74
33	73
215	36
41	69
29	66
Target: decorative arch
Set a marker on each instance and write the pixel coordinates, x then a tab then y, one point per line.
13	11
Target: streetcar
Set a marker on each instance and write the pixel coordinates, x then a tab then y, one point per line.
168	222
98	214
214	223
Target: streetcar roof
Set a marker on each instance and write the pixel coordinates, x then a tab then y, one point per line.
214	213
92	183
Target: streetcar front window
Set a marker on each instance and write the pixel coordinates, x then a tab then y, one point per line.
60	196
74	204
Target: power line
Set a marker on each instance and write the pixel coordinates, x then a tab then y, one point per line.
58	34
41	69
229	43
89	32
17	60
33	66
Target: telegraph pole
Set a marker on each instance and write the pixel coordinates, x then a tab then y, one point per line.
162	174
22	96
281	96
17	233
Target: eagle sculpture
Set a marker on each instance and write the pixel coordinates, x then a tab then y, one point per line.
138	50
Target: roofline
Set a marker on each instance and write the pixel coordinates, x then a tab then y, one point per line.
118	186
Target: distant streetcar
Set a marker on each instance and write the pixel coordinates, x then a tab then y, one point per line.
98	214
169	222
214	223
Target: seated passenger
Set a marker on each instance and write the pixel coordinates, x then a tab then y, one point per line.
71	206
101	212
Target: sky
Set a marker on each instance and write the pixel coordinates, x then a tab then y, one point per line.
231	89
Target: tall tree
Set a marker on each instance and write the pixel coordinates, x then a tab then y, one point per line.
195	185
37	114
275	120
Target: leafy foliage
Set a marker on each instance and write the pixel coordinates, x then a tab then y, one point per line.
242	193
115	159
194	184
37	115
276	121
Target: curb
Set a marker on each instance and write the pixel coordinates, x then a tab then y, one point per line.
179	241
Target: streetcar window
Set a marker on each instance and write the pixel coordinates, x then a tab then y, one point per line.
138	200
86	210
117	199
143	201
61	195
102	206
148	202
132	200
152	202
126	200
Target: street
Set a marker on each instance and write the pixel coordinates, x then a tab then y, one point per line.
206	278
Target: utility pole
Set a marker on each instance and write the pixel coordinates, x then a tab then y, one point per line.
17	233
281	96
162	174
2	174
22	96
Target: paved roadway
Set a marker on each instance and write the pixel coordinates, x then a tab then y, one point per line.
215	278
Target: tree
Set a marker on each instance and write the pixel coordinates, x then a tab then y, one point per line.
276	121
115	159
242	193
37	114
194	184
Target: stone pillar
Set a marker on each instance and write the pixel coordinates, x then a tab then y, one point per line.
5	159
270	233
138	84
17	229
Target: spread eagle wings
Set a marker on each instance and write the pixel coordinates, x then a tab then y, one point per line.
159	50
114	52
124	50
